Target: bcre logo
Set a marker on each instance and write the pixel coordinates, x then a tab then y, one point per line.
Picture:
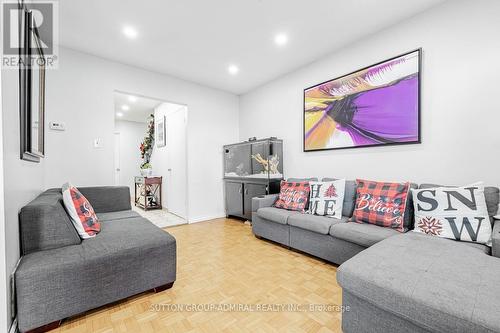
44	22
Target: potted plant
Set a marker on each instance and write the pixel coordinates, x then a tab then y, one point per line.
146	169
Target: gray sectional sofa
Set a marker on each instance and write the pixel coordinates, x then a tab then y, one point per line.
60	275
396	282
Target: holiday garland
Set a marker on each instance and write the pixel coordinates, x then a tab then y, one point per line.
146	146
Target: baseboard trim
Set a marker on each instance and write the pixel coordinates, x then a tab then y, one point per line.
205	218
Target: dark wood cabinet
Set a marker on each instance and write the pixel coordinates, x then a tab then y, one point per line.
234	204
251	190
147	192
239	195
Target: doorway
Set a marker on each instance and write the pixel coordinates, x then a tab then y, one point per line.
135	115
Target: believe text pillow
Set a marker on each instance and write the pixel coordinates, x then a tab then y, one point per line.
381	203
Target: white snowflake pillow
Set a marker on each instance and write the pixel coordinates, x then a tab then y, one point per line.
327	198
458	213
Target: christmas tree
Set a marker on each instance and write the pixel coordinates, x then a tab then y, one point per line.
331	191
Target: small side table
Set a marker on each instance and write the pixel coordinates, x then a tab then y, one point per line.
147	192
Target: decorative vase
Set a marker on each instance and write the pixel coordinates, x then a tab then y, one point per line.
146	172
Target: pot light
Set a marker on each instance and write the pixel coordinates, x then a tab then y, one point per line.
233	69
132	99
281	39
125	107
129	32
119	114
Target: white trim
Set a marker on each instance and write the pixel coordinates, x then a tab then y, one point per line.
4	302
205	218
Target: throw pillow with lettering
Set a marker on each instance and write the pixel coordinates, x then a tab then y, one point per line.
381	203
458	213
327	198
293	196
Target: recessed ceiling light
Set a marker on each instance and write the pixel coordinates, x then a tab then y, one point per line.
125	107
119	114
281	39
233	69
132	99
129	31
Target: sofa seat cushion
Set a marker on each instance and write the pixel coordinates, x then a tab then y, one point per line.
274	214
484	248
438	284
122	214
362	234
127	257
315	223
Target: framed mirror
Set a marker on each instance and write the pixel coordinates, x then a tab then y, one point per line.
32	81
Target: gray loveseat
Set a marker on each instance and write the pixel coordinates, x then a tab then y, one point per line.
60	275
394	282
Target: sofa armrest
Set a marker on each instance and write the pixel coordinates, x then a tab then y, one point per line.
263	201
495	239
105	199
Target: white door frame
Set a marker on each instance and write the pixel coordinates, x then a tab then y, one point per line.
187	136
3	265
117	181
184	109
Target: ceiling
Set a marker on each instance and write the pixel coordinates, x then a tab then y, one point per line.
197	40
139	109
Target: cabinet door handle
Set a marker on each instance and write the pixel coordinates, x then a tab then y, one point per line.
246	191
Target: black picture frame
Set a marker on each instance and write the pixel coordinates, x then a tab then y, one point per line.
419	133
31	113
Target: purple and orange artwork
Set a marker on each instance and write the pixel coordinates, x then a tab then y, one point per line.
378	105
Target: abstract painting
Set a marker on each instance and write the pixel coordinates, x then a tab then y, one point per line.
377	105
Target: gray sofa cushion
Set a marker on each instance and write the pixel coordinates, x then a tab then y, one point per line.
409	218
127	257
44	224
313	179
491	193
437	284
263	201
361	233
349	196
315	223
107	198
275	214
122	214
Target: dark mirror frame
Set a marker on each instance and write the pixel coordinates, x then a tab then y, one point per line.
28	54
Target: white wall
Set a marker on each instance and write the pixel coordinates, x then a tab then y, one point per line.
80	93
23	180
162	158
131	135
460	112
3	267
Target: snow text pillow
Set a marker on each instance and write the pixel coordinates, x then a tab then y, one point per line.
458	213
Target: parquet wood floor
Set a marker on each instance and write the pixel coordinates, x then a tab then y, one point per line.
221	262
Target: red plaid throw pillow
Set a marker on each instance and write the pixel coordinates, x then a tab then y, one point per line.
293	196
380	203
81	212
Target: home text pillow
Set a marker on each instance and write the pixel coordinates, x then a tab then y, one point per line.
327	198
381	203
458	213
80	211
293	196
